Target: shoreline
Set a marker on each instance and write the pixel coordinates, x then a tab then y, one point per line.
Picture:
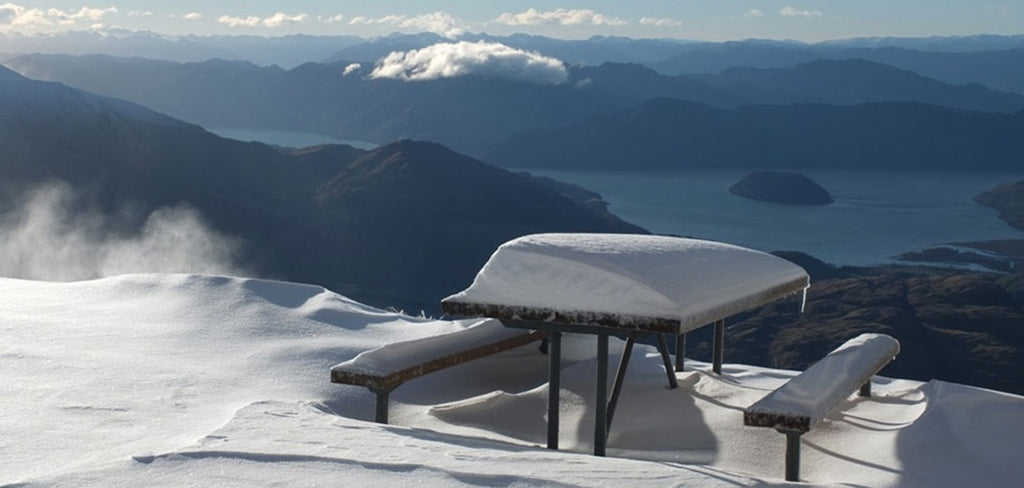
1002	256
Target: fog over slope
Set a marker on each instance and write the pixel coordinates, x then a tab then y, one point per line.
49	235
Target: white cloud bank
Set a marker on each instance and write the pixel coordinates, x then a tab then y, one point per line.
441	23
13	16
560	16
793	12
660	22
449	60
276	20
192	16
43	239
232	21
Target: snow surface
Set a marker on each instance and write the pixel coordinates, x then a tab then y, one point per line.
822	386
632	277
178	380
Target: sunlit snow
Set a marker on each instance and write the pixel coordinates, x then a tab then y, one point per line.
179	380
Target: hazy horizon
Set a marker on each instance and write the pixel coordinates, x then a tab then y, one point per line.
798	20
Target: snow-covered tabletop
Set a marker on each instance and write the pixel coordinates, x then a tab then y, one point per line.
657	283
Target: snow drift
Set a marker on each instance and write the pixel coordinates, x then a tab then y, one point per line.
164	380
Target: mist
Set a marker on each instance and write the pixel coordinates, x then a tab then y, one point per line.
48	236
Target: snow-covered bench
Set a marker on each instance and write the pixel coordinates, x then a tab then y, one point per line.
385	368
806	399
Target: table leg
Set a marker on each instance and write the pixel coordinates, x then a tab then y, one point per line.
680	351
663	347
554	386
620	376
601	422
719	346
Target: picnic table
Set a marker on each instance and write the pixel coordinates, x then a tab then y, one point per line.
622	285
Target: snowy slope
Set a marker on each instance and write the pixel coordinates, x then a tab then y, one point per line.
180	380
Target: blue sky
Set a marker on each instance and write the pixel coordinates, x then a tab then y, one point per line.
806	20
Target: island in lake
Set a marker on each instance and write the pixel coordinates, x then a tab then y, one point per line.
779	187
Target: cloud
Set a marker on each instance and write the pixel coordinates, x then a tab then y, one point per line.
660	22
332	19
44	239
281	18
753	13
352	68
276	20
230	21
558	17
140	13
192	16
17	16
792	12
85	13
449	60
437	22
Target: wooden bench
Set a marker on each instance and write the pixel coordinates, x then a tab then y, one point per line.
385	368
797	406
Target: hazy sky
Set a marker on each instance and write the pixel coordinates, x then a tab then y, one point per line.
807	20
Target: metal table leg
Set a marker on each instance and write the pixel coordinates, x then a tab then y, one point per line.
601	422
680	351
719	346
554	386
663	347
620	377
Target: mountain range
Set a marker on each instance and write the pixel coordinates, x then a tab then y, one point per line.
377	225
288	51
999	69
477	114
668	133
993	61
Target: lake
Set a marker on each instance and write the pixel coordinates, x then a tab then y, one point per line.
284	138
876	214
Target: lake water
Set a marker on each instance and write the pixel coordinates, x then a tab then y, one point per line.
284	138
876	214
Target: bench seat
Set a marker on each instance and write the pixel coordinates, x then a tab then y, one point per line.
383	369
797	406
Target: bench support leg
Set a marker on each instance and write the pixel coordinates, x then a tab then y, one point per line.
381	414
663	347
792	453
554	386
601	422
680	350
620	376
719	346
865	389
382	407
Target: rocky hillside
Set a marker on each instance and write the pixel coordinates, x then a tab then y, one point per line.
938	316
1008	200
